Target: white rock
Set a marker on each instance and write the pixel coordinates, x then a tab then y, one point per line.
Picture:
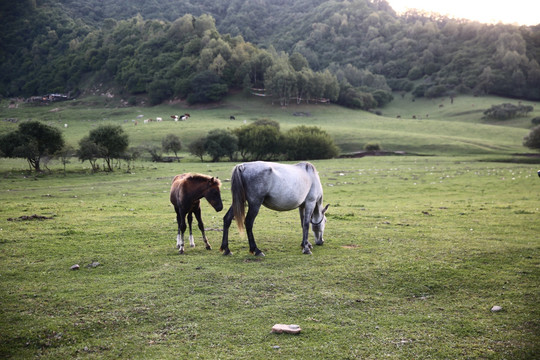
289	329
496	308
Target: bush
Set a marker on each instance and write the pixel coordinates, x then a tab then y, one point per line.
221	143
306	143
259	141
507	111
372	147
532	141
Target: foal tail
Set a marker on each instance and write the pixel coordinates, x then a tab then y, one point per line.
238	196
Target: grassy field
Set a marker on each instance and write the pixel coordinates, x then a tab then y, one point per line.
418	248
454	129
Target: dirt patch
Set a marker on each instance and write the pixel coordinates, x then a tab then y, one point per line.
30	217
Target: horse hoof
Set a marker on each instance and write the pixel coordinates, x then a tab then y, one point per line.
307	251
320	243
181	251
227	252
260	254
208	247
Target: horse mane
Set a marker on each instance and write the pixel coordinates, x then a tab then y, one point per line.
196	177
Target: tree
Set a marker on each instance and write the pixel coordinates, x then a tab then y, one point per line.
111	143
309	142
89	150
221	143
32	141
206	87
532	141
197	147
262	142
65	153
172	143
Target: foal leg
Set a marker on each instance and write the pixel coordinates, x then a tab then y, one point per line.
250	220
180	219
197	212
190	221
227	219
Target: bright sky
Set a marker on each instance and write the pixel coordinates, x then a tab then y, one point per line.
521	12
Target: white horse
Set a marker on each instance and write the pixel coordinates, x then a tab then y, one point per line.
279	187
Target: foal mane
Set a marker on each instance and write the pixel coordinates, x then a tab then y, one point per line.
197	178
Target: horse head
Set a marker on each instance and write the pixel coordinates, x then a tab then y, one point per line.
213	194
318	226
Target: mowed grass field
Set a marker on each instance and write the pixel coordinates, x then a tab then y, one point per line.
418	250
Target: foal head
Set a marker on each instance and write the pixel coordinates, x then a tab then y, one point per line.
212	193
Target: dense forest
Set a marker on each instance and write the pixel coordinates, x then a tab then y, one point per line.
352	52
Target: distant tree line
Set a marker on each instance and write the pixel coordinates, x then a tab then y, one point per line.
350	52
507	111
262	140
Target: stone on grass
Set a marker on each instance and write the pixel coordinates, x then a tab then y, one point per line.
283	328
75	267
496	308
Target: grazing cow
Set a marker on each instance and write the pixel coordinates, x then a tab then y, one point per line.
184	117
232	118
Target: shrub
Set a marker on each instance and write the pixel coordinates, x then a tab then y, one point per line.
305	143
507	111
372	147
221	143
532	141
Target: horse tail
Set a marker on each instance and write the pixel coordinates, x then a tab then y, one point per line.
238	196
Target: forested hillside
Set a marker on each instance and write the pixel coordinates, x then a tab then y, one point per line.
351	52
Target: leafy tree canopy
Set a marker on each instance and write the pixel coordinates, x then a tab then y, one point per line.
33	140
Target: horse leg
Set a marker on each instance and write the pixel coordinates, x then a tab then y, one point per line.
197	212
305	219
227	219
250	220
190	221
180	219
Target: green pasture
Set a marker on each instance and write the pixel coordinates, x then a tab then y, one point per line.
418	250
453	129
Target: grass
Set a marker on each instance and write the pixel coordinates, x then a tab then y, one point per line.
450	130
418	248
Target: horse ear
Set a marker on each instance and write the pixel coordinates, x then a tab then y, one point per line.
325	208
